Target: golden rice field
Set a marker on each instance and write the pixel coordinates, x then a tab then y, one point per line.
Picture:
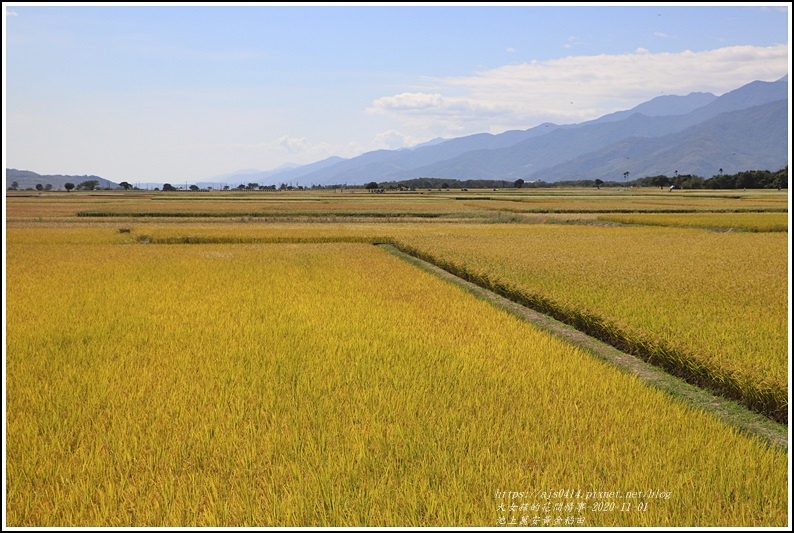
631	201
332	384
250	359
719	221
350	203
714	304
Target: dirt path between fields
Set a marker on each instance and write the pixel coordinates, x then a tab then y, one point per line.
729	411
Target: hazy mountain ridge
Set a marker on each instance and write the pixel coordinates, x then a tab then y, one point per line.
264	177
528	154
27	179
663	106
748	139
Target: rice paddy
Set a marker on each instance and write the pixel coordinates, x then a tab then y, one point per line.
282	371
714	306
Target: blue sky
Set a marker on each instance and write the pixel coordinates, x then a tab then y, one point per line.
190	92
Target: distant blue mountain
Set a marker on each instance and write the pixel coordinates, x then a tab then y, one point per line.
663	106
748	139
27	179
552	152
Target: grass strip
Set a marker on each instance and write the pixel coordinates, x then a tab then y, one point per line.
228	214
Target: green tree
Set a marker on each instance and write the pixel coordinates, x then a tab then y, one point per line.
88	185
124	185
780	180
518	183
68	186
168	187
39	187
598	183
660	181
194	188
14	185
372	185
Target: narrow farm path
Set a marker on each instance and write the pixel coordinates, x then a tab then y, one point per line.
729	411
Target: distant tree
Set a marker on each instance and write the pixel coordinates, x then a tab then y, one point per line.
598	183
689	181
88	185
194	188
445	185
626	175
241	187
660	181
252	186
372	185
14	185
168	187
68	186
124	185
780	180
39	187
518	183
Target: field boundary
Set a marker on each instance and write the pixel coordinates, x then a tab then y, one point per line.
729	411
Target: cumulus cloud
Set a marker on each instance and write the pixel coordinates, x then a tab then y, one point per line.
292	144
393	139
574	88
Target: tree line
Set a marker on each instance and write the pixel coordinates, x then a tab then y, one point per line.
747	179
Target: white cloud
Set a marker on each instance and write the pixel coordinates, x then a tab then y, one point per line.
393	139
574	88
571	42
292	144
511	50
9	13
409	101
303	150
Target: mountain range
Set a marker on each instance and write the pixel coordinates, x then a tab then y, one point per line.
26	179
700	134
